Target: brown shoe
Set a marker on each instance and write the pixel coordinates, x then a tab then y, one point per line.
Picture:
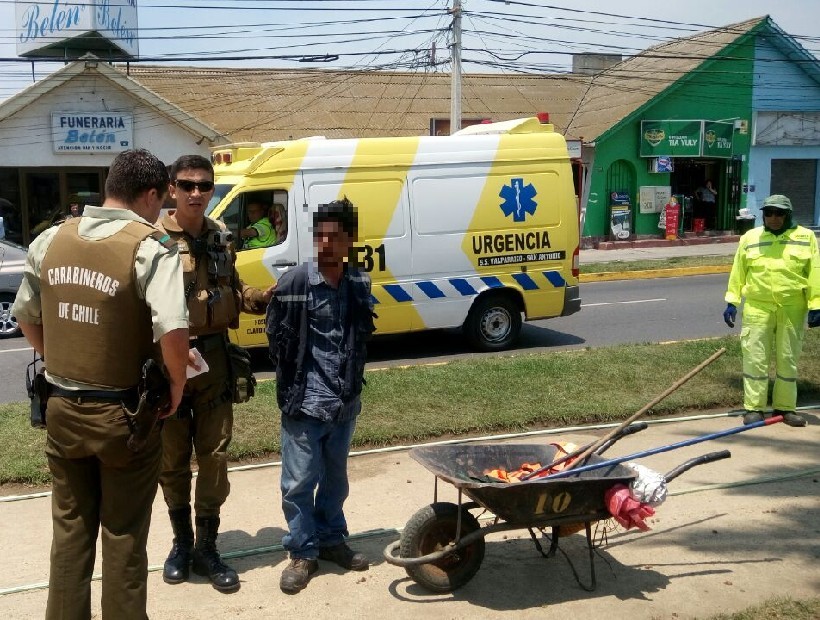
297	574
790	418
345	557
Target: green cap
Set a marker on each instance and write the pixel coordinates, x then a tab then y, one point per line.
778	201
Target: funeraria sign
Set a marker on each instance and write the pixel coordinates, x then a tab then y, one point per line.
91	132
63	23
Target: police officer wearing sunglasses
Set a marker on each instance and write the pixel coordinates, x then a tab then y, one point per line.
777	270
215	296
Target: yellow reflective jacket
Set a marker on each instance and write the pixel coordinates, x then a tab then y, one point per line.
782	269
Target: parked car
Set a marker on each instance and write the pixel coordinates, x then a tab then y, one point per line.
12	261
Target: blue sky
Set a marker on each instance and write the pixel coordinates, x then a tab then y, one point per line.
400	33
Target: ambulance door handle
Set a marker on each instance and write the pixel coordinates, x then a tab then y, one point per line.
282	263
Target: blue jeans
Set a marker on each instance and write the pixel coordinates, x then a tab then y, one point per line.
314	454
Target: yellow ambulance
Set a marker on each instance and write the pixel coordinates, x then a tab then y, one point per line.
472	230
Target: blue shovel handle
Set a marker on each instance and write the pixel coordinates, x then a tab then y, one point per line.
673	446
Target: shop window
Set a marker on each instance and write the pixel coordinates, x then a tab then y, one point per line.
620	183
10	207
43	196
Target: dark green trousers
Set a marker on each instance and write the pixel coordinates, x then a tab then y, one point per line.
98	486
207	433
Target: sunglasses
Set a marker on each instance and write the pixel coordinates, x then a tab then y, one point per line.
189	186
774	213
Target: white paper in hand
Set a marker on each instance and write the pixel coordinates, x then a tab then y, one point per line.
190	371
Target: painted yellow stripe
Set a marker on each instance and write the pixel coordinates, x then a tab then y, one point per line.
648	274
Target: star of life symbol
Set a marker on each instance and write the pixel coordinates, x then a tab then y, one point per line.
518	199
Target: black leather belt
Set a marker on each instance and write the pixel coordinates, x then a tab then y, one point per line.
101	395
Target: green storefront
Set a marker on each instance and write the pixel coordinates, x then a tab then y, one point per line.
694	131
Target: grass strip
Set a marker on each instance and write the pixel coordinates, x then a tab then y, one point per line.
620	266
479	396
779	608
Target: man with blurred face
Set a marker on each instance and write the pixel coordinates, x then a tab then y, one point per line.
318	324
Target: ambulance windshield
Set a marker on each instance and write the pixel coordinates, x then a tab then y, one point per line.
220	190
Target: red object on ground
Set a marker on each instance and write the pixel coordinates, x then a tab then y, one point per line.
672	220
625	510
698	225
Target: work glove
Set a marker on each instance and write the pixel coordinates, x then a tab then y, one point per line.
814	318
730	314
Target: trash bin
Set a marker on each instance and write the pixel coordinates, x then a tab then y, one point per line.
744	224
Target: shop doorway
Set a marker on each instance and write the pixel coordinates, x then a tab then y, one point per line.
689	184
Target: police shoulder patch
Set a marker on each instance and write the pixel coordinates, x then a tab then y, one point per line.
164	239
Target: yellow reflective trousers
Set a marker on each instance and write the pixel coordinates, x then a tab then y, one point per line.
769	328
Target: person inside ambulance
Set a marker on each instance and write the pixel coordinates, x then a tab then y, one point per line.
777	270
260	233
277	216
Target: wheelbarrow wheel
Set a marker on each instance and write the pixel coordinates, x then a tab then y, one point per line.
431	529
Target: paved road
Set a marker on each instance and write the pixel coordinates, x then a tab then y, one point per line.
626	311
691	315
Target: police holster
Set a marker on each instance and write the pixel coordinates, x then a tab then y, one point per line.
37	388
243	384
154	399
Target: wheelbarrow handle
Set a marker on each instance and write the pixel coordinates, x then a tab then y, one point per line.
674	446
698	460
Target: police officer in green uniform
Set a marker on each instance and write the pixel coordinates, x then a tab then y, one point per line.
85	281
215	296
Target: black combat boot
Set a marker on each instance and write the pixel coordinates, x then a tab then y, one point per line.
178	563
206	560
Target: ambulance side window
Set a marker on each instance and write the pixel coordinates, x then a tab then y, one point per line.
249	208
230	216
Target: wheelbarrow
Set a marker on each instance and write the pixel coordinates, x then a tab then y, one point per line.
442	545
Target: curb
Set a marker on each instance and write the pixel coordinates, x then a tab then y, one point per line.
667	243
648	274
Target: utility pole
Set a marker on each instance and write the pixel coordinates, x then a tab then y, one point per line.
455	75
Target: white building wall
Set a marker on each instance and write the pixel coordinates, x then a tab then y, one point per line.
25	137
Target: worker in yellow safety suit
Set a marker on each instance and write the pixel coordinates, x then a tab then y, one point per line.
777	270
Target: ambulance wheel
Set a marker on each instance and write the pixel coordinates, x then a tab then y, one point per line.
431	529
493	324
8	324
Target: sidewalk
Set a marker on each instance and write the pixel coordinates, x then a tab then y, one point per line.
658	249
731	534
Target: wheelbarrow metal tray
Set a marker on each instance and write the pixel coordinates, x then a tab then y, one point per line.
534	502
